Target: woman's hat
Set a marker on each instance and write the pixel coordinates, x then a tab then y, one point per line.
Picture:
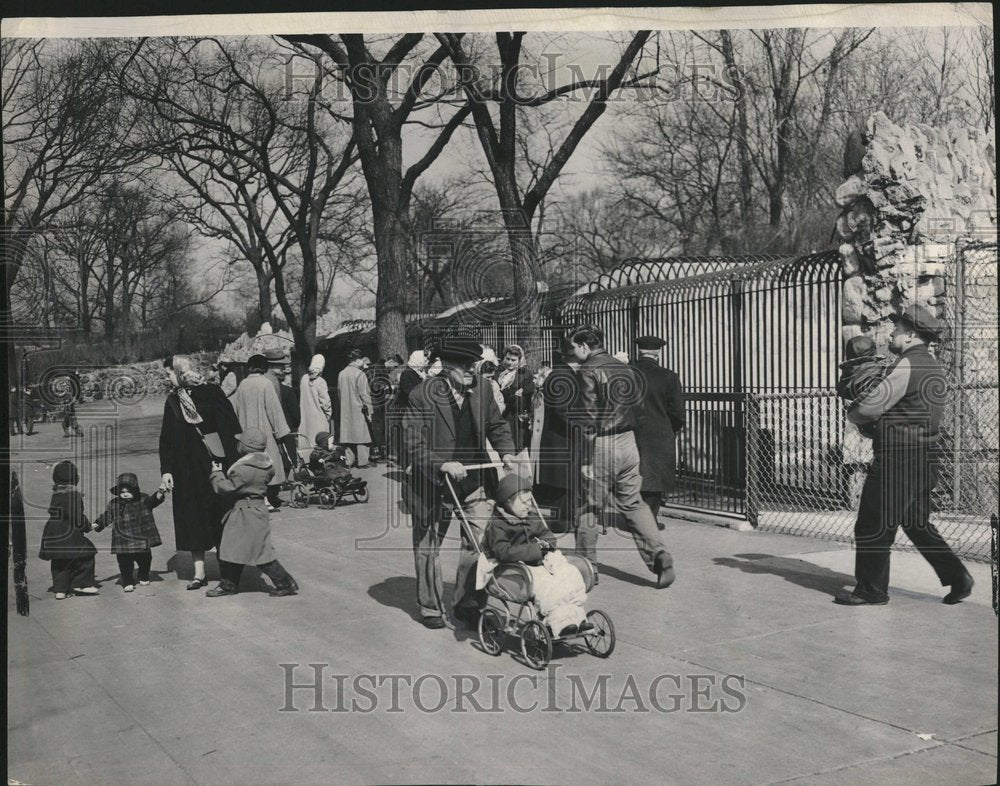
253	439
65	473
318	363
277	356
510	485
127	480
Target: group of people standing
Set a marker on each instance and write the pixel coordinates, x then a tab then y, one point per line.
589	458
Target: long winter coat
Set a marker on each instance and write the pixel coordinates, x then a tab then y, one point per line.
354	393
659	417
559	446
517	409
133	528
257	406
62	537
197	510
315	407
246	535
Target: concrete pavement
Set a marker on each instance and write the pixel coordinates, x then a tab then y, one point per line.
743	672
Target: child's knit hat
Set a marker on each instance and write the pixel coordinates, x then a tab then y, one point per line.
127	480
65	473
510	485
323	439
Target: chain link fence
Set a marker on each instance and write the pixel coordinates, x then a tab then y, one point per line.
806	464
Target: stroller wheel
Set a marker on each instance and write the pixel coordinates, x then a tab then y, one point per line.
601	640
300	496
536	645
327	499
491	630
361	495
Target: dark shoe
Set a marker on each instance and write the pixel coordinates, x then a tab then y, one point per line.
664	570
585	627
290	589
660	525
434	623
960	590
369	465
850	599
569	630
195	584
223	589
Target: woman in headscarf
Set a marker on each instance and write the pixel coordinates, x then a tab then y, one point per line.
517	386
315	406
199	423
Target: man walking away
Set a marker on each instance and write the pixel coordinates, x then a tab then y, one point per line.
660	416
609	393
906	409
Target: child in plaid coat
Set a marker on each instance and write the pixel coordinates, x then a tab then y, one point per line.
134	532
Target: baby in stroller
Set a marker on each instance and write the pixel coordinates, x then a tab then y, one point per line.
516	534
327	475
328	462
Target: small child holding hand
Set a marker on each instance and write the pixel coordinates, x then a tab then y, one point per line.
134	533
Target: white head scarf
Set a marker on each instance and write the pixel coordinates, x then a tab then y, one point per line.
317	364
621	355
417	360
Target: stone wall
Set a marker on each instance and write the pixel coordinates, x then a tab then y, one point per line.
913	197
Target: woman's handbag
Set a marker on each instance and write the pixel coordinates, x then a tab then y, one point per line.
212	440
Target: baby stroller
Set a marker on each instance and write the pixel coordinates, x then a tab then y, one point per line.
511	609
328	488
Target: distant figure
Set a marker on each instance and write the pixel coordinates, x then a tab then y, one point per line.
227	375
355	397
660	418
315	406
517	386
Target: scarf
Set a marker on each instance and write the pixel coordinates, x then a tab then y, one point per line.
506	377
187	377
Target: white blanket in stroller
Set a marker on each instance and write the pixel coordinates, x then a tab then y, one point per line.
559	591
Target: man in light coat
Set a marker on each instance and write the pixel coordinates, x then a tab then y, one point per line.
355	397
257	406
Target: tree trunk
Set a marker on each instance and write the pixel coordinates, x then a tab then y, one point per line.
264	305
391	249
742	144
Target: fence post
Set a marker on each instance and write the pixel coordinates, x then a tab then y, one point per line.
751	478
958	363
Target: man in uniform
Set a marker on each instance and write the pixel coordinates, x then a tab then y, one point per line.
447	423
906	409
609	394
659	417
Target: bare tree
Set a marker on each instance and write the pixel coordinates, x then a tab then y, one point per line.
499	141
380	113
266	164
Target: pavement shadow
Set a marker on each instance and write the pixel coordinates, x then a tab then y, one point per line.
182	566
797	571
154	576
397	592
628	578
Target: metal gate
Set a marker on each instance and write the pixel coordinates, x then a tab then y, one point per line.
733	326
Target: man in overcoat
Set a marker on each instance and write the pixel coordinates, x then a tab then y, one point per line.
906	409
447	423
660	416
354	394
257	406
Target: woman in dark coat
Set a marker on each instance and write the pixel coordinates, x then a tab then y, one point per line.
517	385
195	409
557	481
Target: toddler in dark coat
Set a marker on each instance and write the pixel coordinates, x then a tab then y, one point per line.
69	551
134	532
861	373
515	535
